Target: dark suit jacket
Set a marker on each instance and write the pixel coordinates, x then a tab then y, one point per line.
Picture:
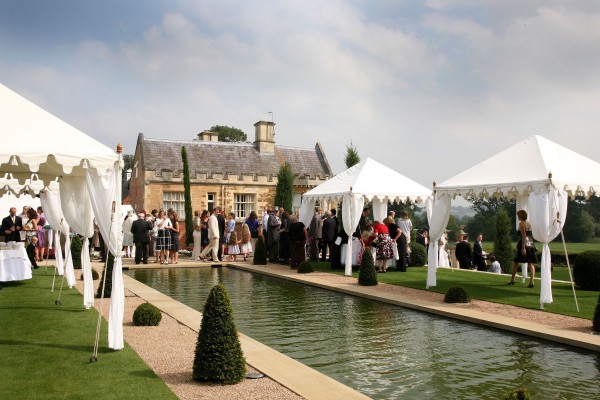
329	231
6	225
222	223
140	229
421	240
463	254
478	258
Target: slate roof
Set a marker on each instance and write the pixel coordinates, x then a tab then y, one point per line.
230	158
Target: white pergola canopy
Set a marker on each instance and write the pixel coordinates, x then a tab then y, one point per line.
77	178
539	173
367	181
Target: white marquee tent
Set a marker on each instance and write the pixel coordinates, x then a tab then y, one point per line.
367	181
77	178
539	174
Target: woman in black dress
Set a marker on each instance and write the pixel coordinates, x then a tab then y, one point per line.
526	251
297	239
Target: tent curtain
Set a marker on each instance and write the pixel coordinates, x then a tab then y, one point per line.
50	200
105	196
438	214
76	207
547	217
351	212
307	210
379	209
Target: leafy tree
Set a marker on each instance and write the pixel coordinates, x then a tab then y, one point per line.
128	160
187	197
453	228
485	214
352	158
229	134
219	356
579	224
284	193
503	249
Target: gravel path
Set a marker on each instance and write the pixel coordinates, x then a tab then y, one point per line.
169	348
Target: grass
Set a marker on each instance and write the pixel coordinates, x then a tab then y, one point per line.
45	349
492	287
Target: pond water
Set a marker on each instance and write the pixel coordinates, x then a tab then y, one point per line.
386	351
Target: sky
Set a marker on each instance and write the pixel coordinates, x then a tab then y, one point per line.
428	88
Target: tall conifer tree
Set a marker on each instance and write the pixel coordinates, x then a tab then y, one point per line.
187	197
284	193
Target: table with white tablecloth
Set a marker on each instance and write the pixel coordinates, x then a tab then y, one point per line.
14	265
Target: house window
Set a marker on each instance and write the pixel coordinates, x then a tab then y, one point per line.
174	200
243	204
210	201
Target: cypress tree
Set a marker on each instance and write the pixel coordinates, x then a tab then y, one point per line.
218	356
502	243
260	252
366	274
285	187
187	197
76	245
352	158
108	271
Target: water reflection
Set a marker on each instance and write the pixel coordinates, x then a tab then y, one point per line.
385	351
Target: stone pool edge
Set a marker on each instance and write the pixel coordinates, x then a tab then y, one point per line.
292	374
577	339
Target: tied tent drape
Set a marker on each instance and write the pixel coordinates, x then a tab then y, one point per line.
379	209
50	200
548	209
77	209
105	191
438	214
351	212
307	210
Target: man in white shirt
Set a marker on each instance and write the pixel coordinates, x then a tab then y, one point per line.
213	236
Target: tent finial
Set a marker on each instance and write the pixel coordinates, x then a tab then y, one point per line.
434	184
549	175
119	148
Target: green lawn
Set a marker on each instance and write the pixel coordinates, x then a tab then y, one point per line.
45	349
493	288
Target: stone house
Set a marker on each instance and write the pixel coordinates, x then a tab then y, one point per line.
239	177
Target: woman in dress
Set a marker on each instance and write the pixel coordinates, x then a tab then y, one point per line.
443	260
30	228
163	241
284	240
204	240
526	251
297	239
245	244
41	234
174	229
127	235
197	234
395	234
229	226
233	246
385	249
255	227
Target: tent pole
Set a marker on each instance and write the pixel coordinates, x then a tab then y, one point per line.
562	235
94	356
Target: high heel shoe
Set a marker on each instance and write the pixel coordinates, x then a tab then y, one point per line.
530	285
511	283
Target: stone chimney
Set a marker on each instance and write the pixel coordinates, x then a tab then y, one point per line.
264	132
208	136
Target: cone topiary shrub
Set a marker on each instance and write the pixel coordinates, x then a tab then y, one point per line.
518	394
108	271
418	255
596	321
457	294
586	270
305	267
366	273
219	356
76	245
146	315
95	275
260	252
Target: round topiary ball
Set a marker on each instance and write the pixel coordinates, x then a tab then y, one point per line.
95	275
418	255
457	294
305	267
518	394
146	315
586	270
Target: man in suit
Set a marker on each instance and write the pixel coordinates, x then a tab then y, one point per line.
463	253
273	225
12	226
329	234
315	232
141	237
478	254
222	222
213	236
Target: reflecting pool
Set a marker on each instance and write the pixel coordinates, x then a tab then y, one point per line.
386	351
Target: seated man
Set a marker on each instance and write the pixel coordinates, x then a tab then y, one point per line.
463	253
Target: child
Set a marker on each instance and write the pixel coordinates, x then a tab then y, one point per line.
234	247
495	266
246	246
31	249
